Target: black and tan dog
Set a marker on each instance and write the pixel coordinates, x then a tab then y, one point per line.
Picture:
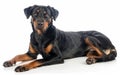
55	45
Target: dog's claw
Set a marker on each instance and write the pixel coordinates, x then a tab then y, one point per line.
21	69
90	61
7	64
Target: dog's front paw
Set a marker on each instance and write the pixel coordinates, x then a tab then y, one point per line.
90	61
21	69
7	64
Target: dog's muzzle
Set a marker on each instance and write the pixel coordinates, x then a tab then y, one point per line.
40	24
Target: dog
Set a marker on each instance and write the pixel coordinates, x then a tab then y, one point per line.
56	45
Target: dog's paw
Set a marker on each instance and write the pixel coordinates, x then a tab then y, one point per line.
21	69
7	64
90	61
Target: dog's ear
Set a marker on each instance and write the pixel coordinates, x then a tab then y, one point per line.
54	12
28	11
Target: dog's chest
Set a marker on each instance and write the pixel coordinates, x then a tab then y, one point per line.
43	41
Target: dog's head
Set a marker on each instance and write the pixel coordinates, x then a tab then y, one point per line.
42	16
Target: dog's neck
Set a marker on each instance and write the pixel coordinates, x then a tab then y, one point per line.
48	32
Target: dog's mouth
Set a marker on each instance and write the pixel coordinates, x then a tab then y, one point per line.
39	25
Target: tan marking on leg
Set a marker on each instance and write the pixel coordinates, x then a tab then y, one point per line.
33	64
92	55
32	50
100	54
48	48
28	66
22	57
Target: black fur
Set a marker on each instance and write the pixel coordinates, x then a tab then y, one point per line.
68	44
54	12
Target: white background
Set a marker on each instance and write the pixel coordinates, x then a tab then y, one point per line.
74	15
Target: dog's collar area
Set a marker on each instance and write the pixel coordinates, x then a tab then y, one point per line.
50	30
49	33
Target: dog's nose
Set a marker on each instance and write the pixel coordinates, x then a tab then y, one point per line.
40	25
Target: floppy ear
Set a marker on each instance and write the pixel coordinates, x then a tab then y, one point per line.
54	12
28	11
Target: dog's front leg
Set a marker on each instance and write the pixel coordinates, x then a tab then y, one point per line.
38	63
52	59
17	58
31	54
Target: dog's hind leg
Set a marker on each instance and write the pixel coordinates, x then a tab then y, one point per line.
94	50
97	53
